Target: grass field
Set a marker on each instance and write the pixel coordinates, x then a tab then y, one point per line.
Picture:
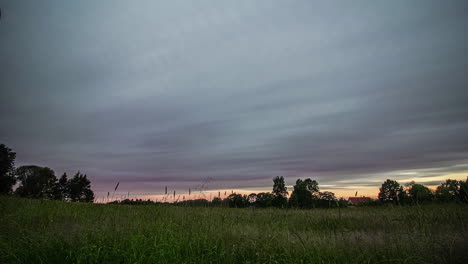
38	231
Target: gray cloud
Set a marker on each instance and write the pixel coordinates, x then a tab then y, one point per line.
151	94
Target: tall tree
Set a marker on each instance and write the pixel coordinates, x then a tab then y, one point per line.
464	191
280	191
7	163
391	191
305	191
279	187
62	188
80	189
35	182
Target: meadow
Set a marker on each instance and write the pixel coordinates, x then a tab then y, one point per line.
44	231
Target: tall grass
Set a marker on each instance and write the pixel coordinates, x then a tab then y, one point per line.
38	231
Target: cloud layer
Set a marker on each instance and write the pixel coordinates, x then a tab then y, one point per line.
153	94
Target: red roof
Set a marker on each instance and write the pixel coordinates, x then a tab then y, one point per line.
358	200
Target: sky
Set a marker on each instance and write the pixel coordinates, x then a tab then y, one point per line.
226	95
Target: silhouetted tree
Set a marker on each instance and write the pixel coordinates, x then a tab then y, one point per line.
80	189
7	163
237	200
35	182
327	196
280	192
251	199
279	187
342	203
464	191
391	191
419	193
280	201
448	191
305	191
61	190
326	200
264	199
217	201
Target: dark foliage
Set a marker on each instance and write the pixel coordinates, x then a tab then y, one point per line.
419	193
391	192
195	203
40	182
261	200
280	192
63	188
133	202
237	200
7	163
36	182
464	191
326	200
305	191
452	191
79	189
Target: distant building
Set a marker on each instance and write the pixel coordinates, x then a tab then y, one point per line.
358	200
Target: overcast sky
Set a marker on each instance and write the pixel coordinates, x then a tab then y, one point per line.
156	93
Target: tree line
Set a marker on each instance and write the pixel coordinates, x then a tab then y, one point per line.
449	191
306	194
41	182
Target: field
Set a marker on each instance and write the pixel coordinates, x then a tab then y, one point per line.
38	231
